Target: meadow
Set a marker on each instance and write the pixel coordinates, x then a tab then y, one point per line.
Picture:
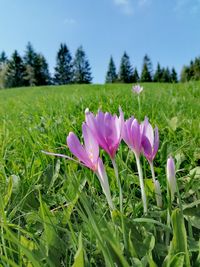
53	211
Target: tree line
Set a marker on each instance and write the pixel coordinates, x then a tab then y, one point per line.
191	72
32	69
128	74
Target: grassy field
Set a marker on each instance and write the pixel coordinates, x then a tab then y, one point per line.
53	211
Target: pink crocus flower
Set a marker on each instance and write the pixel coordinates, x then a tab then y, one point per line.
150	140
150	144
132	135
107	130
171	176
88	156
137	89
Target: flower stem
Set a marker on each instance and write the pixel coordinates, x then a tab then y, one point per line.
157	194
169	211
120	201
119	184
106	190
139	107
168	224
152	172
144	200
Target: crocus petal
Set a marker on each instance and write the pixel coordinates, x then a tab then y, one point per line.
62	156
91	145
87	111
137	89
107	130
152	136
136	136
126	133
96	127
112	133
120	122
144	125
117	129
149	134
100	130
147	149
58	155
90	120
156	142
102	174
109	125
100	123
77	149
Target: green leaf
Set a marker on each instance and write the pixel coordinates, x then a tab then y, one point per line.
50	238
149	183
151	221
197	263
179	241
132	249
79	257
136	262
177	260
178	245
67	212
195	221
192	214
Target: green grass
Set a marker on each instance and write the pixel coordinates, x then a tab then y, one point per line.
53	212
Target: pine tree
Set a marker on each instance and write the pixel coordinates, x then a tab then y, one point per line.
174	78
81	68
158	74
64	67
166	75
191	72
15	71
111	75
29	61
42	75
146	75
30	55
135	77
3	59
196	69
36	67
185	74
125	69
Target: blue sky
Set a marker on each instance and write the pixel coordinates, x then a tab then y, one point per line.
167	30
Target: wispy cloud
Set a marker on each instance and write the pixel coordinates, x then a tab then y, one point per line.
128	7
143	3
187	6
69	21
125	5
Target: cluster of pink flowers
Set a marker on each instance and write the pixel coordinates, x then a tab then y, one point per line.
107	131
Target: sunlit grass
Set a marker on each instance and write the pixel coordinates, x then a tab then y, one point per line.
52	209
